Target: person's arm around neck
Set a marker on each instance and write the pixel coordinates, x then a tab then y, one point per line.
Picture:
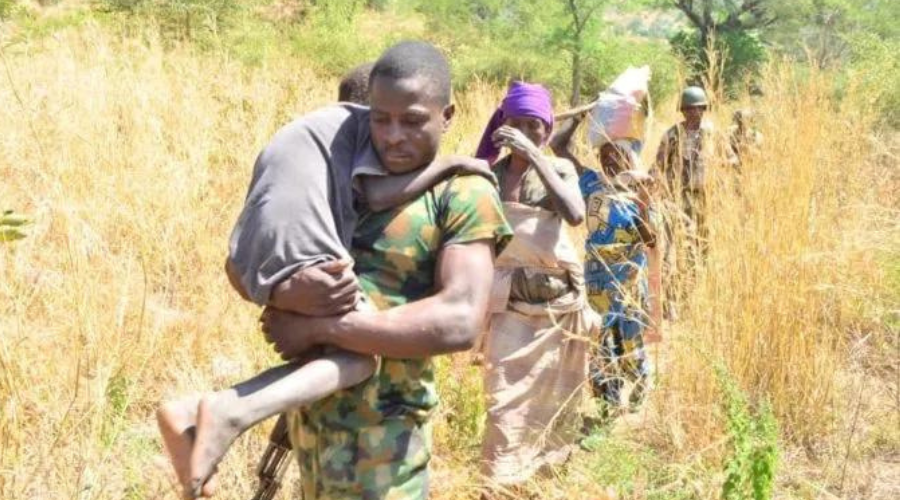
384	192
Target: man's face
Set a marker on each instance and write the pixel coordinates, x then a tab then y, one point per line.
406	122
693	115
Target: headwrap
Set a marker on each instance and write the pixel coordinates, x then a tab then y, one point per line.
522	99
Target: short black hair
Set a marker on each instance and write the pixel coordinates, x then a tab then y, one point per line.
412	59
354	85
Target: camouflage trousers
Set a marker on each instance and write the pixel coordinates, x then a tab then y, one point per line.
388	461
694	205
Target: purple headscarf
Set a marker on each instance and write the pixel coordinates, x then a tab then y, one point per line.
522	99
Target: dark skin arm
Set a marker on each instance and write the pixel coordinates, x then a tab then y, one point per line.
561	141
384	192
643	183
566	199
319	290
445	322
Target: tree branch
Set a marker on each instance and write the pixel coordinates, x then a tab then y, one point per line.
687	7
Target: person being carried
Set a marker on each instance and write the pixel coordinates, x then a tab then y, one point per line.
289	250
619	232
354	85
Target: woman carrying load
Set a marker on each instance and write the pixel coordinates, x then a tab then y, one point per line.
619	234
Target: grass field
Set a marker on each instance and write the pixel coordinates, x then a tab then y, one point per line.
133	160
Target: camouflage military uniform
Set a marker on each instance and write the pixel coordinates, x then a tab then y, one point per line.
687	156
374	440
684	158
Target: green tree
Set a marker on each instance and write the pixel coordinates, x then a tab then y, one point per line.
577	37
820	28
561	43
724	17
730	27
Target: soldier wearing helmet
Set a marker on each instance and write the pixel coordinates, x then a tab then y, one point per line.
681	155
681	161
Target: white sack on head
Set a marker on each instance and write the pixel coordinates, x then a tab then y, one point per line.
620	112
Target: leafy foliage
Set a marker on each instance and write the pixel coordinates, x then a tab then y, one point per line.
819	28
6	7
331	36
12	226
537	40
876	64
743	54
750	471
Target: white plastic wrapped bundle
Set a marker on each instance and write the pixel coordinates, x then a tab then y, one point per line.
620	112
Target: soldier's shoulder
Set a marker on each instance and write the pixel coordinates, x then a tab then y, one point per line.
466	184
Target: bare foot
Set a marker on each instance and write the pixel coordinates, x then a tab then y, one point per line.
216	430
177	424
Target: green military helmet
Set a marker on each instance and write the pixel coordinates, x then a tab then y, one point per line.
692	97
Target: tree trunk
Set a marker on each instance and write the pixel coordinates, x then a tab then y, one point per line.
576	76
704	46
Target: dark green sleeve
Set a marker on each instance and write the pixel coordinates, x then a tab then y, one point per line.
472	211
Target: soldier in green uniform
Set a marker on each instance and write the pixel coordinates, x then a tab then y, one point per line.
685	154
427	266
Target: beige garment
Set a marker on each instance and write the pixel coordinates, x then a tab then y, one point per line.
538	286
536	355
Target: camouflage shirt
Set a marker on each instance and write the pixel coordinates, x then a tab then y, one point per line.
685	155
372	439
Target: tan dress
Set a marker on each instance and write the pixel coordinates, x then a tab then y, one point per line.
536	353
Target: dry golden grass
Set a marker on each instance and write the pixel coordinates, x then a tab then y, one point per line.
133	161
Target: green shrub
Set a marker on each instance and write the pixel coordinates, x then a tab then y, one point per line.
750	470
181	19
875	64
12	226
743	52
127	6
330	37
6	8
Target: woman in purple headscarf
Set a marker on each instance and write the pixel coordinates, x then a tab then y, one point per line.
523	123
536	347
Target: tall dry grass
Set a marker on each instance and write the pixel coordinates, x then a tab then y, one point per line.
134	160
793	281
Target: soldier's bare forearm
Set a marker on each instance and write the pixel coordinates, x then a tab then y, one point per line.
446	322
